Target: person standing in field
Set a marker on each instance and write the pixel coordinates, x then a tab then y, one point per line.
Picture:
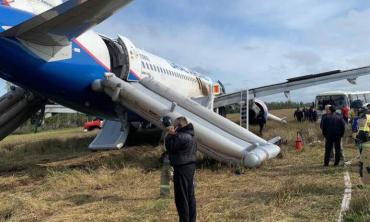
298	115
182	148
261	121
333	128
345	113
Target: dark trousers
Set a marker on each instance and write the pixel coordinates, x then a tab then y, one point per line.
262	125
183	177
329	148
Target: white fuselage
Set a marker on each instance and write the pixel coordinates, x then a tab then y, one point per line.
189	83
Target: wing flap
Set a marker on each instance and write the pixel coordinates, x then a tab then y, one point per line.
293	84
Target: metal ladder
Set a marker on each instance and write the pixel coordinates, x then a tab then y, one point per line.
244	109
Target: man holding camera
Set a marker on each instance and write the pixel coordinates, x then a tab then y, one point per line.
182	147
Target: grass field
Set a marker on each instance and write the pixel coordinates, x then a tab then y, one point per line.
51	176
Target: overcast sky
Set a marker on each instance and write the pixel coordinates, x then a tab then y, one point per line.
247	43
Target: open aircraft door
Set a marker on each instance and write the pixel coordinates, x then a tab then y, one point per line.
134	72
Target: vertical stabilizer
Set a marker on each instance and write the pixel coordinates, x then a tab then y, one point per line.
32	6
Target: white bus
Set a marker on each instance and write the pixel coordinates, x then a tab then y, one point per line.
339	99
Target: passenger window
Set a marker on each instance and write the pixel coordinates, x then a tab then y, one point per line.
151	67
142	65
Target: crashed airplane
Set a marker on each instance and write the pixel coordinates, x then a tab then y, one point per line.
48	50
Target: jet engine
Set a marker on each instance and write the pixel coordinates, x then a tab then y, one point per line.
259	105
16	107
256	107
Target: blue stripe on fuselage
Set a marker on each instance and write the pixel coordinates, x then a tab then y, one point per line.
67	82
12	16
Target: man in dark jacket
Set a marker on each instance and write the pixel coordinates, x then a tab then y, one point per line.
298	115
333	127
182	148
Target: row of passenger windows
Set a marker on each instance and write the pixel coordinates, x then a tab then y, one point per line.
155	68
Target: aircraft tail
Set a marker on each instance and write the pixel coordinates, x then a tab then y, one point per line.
32	6
57	26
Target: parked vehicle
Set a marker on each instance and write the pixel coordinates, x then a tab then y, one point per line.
340	99
92	125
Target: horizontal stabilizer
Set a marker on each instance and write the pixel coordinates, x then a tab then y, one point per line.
57	26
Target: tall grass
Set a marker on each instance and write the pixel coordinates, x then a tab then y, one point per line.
53	177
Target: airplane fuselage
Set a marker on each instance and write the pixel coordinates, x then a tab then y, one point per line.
68	81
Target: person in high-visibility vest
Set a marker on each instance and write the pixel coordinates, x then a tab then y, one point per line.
363	127
363	133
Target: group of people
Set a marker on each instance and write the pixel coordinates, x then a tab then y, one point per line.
305	114
181	146
360	122
333	126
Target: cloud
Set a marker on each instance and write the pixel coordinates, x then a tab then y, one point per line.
304	58
247	43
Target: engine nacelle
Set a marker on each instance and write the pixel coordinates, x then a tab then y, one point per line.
257	106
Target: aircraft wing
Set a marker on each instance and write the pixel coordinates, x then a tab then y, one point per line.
57	26
294	83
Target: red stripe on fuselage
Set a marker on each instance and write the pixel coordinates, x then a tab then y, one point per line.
92	55
5	2
134	73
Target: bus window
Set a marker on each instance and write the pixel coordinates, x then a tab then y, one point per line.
367	97
359	97
362	98
337	100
